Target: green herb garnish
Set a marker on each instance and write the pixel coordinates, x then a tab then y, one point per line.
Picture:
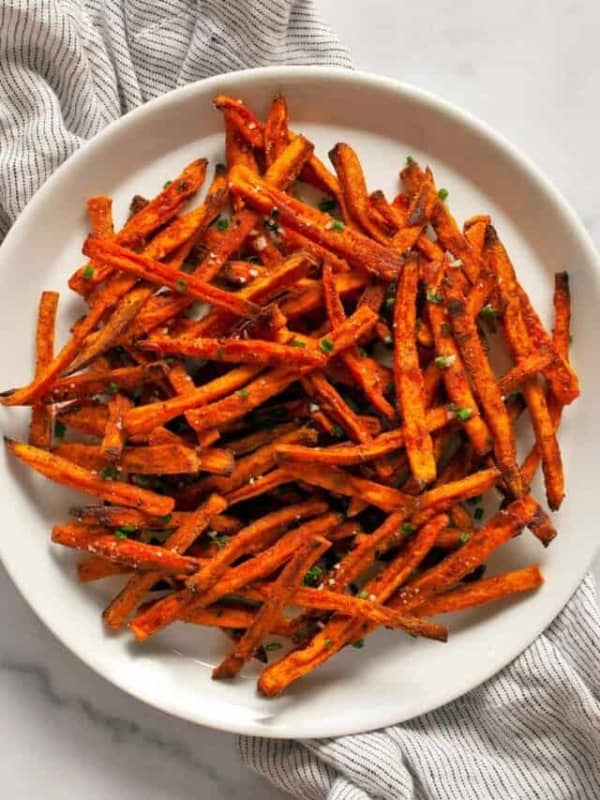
338	431
59	430
222	224
337	225
109	473
221	540
297	343
488	311
88	272
463	414
270	646
112	388
390	302
166	519
313	576
244	394
478	513
166	184
359	644
327	204
434	297
142	480
410	161
180	285
271	225
464	537
328	644
362	595
442	194
407	528
120	534
443	362
326	345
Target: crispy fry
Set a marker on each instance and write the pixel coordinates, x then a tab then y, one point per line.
40	431
280	595
517	338
114	436
242	351
161	459
315	225
123	551
450	363
96	568
276	133
408	378
484	383
62	471
223	616
116	613
252	539
183	602
89	384
527	367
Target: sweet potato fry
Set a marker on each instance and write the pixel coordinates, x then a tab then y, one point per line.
420	211
183	602
281	593
245	122
527	367
116	613
238	351
316	225
96	568
252	539
119	517
340	630
161	274
161	459
114	437
497	530
260	485
483	591
484	383
40	431
89	384
408	378
560	374
347	455
62	471
148	219
516	334
450	363
123	551
276	132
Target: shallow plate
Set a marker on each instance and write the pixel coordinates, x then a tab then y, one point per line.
394	677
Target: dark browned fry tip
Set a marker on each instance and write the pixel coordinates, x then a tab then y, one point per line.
7	393
561	280
220	169
490	236
455	307
334	153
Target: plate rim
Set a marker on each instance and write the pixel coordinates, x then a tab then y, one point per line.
362	79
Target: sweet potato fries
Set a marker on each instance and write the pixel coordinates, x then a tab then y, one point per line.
290	413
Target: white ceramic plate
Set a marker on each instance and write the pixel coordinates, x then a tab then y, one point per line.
394	677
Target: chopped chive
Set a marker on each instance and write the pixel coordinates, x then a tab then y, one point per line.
338	431
120	534
297	343
326	345
327	204
244	394
478	513
359	644
410	161
270	646
463	414
337	225
464	537
112	388
221	540
166	519
59	430
362	595
180	285
142	480
443	362
407	528
109	473
328	644
488	311
166	184
88	272
222	224
313	576
434	297
390	302
443	194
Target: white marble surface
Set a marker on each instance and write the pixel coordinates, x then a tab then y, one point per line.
532	71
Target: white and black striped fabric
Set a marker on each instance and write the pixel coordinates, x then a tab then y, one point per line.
67	69
530	733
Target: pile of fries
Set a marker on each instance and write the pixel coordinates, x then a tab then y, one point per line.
289	414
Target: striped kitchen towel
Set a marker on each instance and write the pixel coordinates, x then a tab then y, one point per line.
67	69
530	733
